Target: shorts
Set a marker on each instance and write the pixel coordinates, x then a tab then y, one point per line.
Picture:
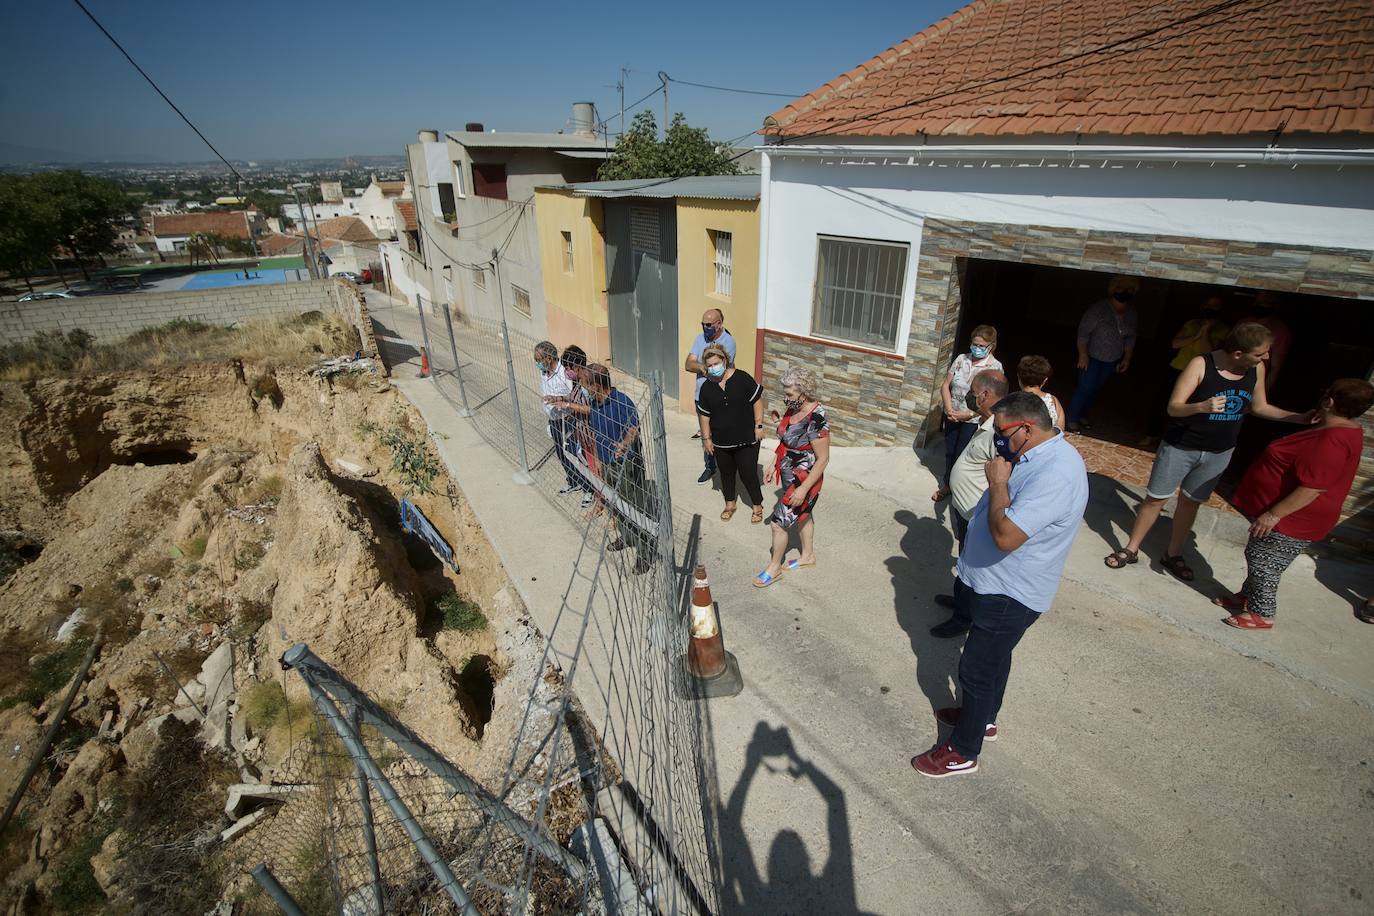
1195	471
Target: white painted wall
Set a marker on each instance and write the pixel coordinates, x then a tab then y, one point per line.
319	212
1319	206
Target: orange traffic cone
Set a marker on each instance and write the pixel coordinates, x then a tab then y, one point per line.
714	672
424	363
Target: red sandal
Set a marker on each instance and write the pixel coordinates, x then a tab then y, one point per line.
1248	620
1234	603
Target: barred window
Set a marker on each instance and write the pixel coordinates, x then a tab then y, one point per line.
858	295
522	300
567	252
724	243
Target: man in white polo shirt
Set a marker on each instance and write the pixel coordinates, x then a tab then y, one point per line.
1018	540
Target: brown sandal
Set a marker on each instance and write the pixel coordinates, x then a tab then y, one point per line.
728	514
1121	558
756	516
1178	567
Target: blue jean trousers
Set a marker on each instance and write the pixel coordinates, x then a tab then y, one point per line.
998	623
1090	382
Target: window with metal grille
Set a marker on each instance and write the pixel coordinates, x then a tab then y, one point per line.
567	252
479	278
522	300
723	242
858	295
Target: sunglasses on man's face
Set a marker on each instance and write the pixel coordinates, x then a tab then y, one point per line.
1006	432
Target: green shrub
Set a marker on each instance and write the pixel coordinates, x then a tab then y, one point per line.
196	548
458	613
49	674
124	584
411	461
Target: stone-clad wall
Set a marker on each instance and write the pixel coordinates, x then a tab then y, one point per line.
862	391
108	317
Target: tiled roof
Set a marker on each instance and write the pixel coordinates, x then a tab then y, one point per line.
407	208
1048	67
344	228
274	245
230	224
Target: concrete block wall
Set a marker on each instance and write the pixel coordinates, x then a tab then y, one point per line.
111	317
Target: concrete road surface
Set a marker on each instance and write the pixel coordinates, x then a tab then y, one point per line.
1149	759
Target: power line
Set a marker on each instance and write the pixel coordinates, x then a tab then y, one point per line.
875	118
782	95
157	89
635	104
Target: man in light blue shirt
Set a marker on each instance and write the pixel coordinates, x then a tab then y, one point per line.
712	331
1018	541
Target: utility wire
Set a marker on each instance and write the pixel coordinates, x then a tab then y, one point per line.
781	95
875	117
157	89
635	104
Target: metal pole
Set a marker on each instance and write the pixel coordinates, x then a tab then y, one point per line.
41	754
303	660
364	761
463	411
369	833
424	329
521	476
319	250
269	883
309	251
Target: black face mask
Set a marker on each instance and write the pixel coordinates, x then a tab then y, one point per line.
971	401
1125	296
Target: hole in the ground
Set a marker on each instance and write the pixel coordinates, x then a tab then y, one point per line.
477	682
157	455
29	552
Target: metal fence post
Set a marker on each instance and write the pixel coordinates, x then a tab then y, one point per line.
269	883
463	411
363	759
369	831
521	476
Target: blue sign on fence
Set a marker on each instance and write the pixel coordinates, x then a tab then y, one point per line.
414	522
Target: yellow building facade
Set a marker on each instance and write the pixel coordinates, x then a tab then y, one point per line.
699	221
716	261
572	254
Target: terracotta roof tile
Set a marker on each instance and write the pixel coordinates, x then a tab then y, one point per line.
228	223
407	208
1242	69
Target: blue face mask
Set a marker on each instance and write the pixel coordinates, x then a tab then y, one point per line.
710	332
715	371
1003	445
541	367
585	393
977	352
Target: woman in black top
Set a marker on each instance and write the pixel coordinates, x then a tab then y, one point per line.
730	409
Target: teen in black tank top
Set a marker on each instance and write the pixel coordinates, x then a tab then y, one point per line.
1214	432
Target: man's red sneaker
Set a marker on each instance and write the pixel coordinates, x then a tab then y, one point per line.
943	760
950	716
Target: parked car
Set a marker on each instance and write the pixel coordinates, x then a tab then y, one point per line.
367	275
55	294
349	275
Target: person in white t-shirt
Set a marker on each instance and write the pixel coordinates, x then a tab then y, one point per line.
555	385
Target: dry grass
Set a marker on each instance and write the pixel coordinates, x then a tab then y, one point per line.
286	341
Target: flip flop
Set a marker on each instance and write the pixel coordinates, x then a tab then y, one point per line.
1248	620
765	579
797	564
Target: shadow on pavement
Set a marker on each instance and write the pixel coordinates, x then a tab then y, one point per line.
1110	515
789	883
919	572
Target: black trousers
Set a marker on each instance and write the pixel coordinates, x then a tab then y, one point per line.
744	462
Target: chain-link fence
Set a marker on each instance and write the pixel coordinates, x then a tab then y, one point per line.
628	752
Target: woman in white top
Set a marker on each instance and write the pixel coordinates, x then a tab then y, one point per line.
961	420
1033	372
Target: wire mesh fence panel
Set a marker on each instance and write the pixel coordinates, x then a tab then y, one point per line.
630	746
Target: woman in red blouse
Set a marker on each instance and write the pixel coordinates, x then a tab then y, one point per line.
1294	493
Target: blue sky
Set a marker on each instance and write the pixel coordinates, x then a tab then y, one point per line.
292	79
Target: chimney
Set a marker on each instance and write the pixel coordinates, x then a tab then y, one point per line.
429	135
583	121
474	127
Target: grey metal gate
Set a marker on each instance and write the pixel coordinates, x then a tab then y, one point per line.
641	268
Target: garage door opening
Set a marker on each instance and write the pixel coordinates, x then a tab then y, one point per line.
1036	310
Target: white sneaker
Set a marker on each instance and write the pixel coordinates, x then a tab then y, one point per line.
587	500
567	488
